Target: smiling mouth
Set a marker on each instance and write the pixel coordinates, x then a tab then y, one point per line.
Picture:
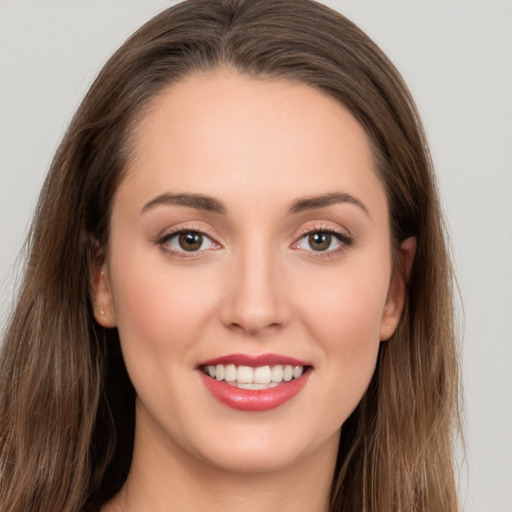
254	378
254	383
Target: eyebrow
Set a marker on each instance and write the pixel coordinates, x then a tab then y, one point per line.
210	204
197	201
321	201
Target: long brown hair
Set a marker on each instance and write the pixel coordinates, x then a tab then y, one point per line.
66	403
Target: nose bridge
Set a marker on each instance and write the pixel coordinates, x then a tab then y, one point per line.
257	294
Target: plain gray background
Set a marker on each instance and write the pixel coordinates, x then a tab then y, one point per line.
457	59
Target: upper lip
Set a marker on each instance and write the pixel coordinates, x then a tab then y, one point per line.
254	360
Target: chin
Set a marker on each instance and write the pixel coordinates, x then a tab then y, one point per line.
249	461
264	451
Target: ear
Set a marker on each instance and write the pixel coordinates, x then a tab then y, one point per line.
397	290
99	283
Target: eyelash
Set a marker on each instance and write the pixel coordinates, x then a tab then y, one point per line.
344	239
164	239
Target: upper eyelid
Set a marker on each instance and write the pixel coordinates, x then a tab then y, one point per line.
173	234
321	227
163	243
187	228
343	235
193	227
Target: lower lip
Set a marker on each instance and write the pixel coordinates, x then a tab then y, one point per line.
254	399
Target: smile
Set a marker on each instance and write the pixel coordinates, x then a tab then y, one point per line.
261	377
242	382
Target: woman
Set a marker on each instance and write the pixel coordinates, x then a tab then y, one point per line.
238	294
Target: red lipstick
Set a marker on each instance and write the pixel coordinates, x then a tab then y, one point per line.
254	399
254	361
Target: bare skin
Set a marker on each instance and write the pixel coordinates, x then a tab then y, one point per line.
293	258
202	487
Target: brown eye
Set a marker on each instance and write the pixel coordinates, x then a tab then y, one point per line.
190	241
323	241
187	243
319	241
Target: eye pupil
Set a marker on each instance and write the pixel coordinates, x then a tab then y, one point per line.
190	241
320	241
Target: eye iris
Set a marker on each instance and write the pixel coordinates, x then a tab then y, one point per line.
320	241
190	241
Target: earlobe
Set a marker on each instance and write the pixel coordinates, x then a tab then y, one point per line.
101	294
398	289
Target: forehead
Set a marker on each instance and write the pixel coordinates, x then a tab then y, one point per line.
225	132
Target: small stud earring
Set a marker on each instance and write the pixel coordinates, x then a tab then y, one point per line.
102	312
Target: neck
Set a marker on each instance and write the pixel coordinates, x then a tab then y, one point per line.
163	480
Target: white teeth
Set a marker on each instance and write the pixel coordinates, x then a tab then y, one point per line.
230	372
245	374
261	377
297	372
287	373
219	372
277	373
254	385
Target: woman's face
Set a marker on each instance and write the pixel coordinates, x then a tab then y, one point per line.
250	231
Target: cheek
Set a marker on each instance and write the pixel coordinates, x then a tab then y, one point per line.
348	332
157	309
160	317
347	307
343	319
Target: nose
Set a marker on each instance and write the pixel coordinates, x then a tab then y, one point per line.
255	298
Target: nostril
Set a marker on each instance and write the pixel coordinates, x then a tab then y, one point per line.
254	298
254	328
